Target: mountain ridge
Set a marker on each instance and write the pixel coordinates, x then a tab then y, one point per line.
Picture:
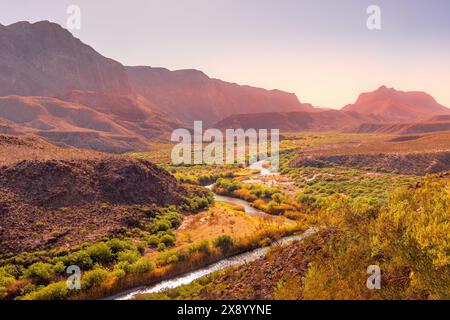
42	61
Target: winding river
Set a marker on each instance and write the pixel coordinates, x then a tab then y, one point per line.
222	264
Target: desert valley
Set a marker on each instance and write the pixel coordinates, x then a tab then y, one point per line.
86	179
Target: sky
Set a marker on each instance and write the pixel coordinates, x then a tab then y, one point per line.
321	50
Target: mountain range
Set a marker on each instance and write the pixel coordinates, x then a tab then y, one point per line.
54	86
384	110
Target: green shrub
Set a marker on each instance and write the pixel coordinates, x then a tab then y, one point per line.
278	198
117	245
54	291
162	225
174	217
94	278
59	268
153	241
167	257
309	201
100	252
129	256
224	243
29	288
6	279
79	258
202	246
119	273
168	240
142	265
40	272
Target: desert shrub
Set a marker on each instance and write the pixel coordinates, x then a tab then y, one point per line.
142	265
101	253
29	288
162	225
12	269
79	258
93	278
54	291
161	246
168	240
202	247
129	256
40	272
199	199
278	197
263	191
224	243
59	268
227	186
274	208
117	245
415	231
167	257
207	179
408	238
6	280
196	203
308	202
119	273
246	195
153	241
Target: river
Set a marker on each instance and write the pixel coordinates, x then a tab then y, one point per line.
222	264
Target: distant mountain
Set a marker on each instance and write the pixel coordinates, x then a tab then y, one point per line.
390	105
67	124
55	86
403	128
445	117
190	95
43	59
90	100
384	110
328	120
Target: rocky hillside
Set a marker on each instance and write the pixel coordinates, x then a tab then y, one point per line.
190	95
72	197
67	124
329	120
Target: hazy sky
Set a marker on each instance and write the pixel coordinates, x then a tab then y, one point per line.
319	49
